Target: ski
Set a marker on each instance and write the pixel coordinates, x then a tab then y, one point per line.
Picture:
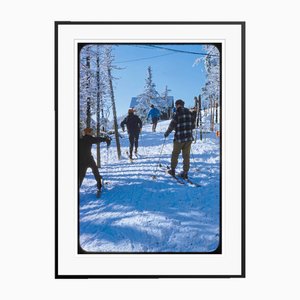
180	179
193	183
189	181
136	156
166	169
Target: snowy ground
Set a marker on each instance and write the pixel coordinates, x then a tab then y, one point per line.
138	214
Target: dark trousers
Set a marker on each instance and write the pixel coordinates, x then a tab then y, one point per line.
89	163
154	123
134	141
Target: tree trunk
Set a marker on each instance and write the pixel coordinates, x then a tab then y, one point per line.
211	115
114	114
197	112
88	112
88	85
216	112
200	117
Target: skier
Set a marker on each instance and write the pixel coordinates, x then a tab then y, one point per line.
86	159
134	127
182	123
154	113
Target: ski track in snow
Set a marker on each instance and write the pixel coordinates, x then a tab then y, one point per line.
138	214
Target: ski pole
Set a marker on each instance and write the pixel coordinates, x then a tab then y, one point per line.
154	176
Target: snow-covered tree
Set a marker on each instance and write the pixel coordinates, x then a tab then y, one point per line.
163	102
212	87
86	101
165	93
96	90
147	98
212	67
101	88
95	104
108	60
211	90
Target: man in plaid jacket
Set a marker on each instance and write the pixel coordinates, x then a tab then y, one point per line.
182	122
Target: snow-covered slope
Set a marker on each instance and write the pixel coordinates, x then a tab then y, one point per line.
139	214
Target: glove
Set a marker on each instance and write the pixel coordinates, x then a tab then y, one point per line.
108	141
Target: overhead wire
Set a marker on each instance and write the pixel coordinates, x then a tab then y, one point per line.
180	51
143	58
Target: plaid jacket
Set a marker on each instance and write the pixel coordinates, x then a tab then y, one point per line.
182	123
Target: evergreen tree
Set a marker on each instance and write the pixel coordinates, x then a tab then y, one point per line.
147	98
164	105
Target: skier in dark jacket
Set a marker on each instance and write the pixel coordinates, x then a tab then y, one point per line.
86	159
154	113
182	122
134	127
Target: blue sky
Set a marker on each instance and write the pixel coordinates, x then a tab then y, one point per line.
174	69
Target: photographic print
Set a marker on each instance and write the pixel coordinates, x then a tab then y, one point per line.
150	149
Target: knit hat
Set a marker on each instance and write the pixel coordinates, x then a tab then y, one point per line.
87	130
180	102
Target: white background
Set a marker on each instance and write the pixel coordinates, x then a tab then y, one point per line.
27	150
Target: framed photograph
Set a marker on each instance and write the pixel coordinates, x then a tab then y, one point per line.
150	149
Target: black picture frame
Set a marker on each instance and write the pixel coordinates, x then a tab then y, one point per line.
242	273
